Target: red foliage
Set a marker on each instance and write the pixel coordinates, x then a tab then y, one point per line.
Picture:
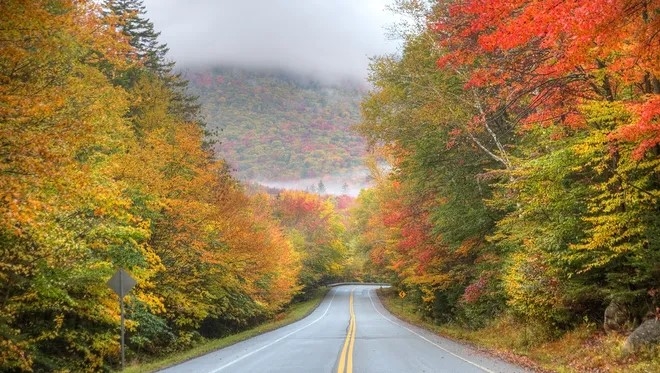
558	27
475	290
345	202
296	204
541	58
646	130
204	80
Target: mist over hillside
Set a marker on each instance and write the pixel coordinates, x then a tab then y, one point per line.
275	126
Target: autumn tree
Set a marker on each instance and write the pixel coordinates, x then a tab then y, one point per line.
98	175
203	226
64	223
544	58
149	54
442	168
523	167
593	82
317	233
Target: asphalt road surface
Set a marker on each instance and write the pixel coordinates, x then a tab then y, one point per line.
349	332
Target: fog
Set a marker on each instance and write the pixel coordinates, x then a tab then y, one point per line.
325	39
348	183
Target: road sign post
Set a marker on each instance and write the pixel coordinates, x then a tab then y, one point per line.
121	282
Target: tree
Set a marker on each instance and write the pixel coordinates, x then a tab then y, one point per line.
205	230
442	168
544	68
588	82
96	175
317	234
64	222
525	133
128	17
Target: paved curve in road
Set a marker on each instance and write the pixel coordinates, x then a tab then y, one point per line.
349	332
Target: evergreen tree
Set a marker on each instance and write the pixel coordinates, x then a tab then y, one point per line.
130	18
321	187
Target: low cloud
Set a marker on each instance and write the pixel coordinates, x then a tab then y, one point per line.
348	183
317	37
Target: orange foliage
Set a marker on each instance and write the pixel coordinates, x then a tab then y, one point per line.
94	177
542	58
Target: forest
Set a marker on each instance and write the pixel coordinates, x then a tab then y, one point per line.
522	183
105	165
524	139
276	125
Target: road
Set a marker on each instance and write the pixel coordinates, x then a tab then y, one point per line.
350	331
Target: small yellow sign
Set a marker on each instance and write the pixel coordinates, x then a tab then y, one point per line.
402	294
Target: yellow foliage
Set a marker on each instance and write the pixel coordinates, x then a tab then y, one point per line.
532	286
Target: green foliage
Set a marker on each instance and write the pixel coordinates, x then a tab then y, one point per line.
150	332
101	170
622	220
417	115
520	183
149	55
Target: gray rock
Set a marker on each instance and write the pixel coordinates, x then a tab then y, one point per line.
648	333
617	318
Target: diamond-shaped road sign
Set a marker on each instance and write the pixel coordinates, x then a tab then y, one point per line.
121	282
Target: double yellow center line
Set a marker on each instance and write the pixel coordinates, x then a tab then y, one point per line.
346	358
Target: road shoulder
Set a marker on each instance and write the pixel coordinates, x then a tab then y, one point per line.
387	301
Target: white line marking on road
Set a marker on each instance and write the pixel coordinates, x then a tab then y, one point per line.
277	340
426	339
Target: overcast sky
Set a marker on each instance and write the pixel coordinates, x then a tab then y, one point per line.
331	38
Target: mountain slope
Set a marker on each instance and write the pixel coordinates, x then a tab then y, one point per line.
277	126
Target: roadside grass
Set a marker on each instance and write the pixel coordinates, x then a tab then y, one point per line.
294	313
585	349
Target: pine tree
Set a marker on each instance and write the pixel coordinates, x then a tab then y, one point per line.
131	20
321	187
131	15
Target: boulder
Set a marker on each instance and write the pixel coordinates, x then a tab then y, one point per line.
617	318
647	334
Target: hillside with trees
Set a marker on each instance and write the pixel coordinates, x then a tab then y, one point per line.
274	125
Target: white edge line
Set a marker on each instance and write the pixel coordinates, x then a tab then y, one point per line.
426	339
277	340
